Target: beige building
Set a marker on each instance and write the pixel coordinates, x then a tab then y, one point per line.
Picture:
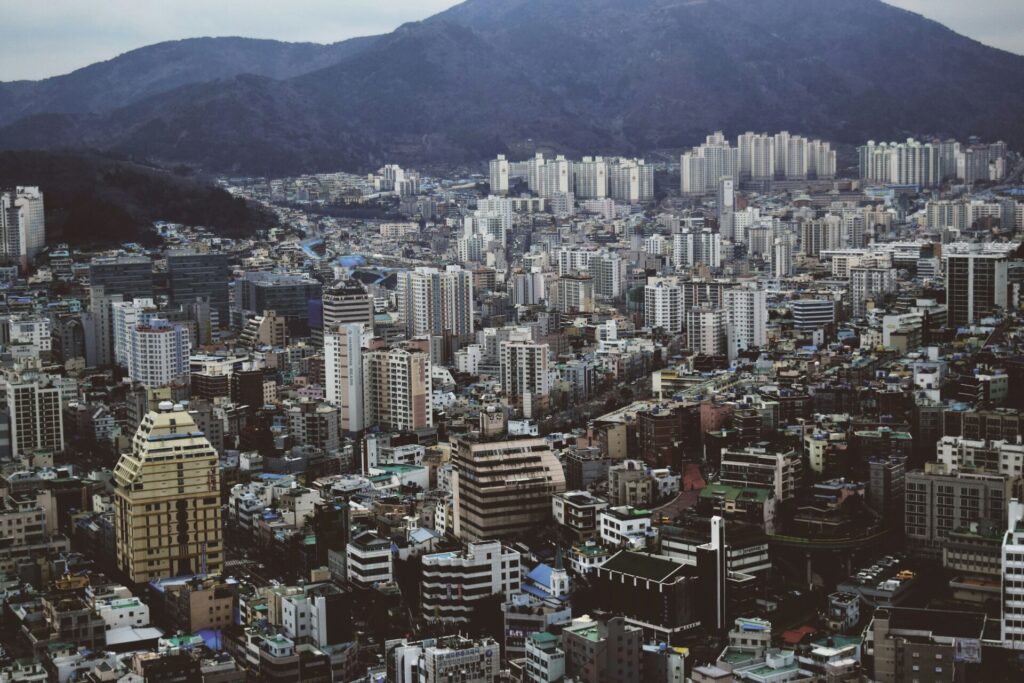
167	507
503	488
397	387
269	329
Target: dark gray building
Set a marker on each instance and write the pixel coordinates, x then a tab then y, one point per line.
192	276
130	276
286	294
939	501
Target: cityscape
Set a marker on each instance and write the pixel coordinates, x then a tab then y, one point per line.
748	409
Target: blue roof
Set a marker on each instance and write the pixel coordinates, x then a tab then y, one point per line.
534	591
540	574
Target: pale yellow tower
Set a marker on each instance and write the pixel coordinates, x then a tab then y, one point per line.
167	511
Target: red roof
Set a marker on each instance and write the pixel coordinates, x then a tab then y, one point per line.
796	635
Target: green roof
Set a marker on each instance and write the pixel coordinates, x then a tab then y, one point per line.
736	655
399	469
734	493
543	637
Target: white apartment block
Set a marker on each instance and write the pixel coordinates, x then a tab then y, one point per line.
451	582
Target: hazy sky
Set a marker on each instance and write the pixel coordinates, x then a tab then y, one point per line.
40	38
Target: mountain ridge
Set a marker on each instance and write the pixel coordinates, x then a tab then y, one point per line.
607	76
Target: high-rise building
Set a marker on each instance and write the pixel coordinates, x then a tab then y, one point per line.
527	288
663	304
976	285
314	424
757	156
130	276
726	207
397	388
813	314
1012	566
453	581
590	178
701	167
498	175
606	268
706	331
343	371
549	176
167	500
630	181
690	249
867	283
22	225
503	488
158	353
124	315
192	276
435	302
747	311
347	302
574	294
782	257
525	375
286	294
940	500
34	407
905	163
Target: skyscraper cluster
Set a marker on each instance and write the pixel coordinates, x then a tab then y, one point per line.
756	157
927	164
630	181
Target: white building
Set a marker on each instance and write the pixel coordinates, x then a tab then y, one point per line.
498	175
124	315
1012	565
368	560
451	658
663	304
747	310
869	282
22	225
158	353
692	248
30	332
123	613
525	375
624	527
706	331
435	302
452	581
590	178
905	163
343	370
701	167
630	181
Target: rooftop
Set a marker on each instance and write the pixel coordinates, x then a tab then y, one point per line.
644	566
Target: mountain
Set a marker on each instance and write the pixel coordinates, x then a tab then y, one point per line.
94	200
602	76
151	70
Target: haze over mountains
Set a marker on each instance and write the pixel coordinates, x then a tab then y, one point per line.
487	76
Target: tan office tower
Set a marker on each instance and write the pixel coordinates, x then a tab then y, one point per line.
397	387
167	508
503	488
